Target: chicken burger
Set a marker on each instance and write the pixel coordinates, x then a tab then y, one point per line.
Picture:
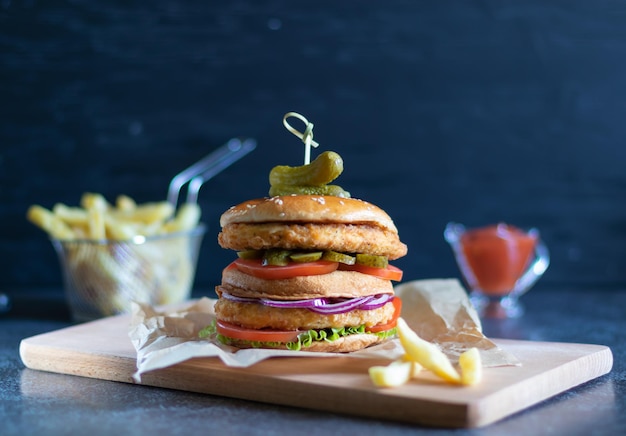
312	273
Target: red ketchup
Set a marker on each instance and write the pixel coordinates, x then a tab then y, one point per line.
497	256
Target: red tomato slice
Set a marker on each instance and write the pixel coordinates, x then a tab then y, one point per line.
231	266
236	332
254	267
389	273
397	303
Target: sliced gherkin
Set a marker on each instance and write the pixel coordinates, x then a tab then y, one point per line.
306	257
335	256
276	257
372	260
332	190
323	170
250	254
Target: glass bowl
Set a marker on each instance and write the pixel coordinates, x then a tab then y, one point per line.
499	263
103	277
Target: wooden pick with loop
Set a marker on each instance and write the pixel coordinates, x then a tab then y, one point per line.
306	136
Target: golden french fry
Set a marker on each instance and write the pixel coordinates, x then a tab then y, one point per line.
96	223
147	213
187	218
395	374
426	354
80	232
119	231
151	229
471	366
74	216
49	222
125	203
90	200
153	212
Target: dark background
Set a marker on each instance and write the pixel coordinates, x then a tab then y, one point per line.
473	111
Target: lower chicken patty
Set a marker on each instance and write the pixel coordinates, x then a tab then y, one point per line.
257	316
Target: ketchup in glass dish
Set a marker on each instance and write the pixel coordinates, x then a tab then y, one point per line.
499	262
497	256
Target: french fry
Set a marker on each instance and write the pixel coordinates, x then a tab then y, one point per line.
96	223
120	231
156	228
147	213
125	203
49	222
74	216
90	200
396	373
426	354
187	218
471	367
80	233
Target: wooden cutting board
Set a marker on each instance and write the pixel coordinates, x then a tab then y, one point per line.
102	349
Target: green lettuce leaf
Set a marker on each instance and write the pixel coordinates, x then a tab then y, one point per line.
305	339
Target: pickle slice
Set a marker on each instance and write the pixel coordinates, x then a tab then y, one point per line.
250	254
306	257
333	190
276	257
372	260
335	256
323	170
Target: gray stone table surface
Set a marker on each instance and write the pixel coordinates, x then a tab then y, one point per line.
34	402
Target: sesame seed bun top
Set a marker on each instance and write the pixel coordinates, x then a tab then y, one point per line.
309	209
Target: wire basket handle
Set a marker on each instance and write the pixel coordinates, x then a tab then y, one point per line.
208	167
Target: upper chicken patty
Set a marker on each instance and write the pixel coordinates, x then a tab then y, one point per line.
311	222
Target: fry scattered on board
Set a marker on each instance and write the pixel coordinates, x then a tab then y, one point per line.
396	373
98	219
471	368
421	354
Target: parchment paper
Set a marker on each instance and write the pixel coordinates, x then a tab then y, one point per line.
438	310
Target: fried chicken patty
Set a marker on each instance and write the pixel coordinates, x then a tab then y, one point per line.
257	316
344	238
